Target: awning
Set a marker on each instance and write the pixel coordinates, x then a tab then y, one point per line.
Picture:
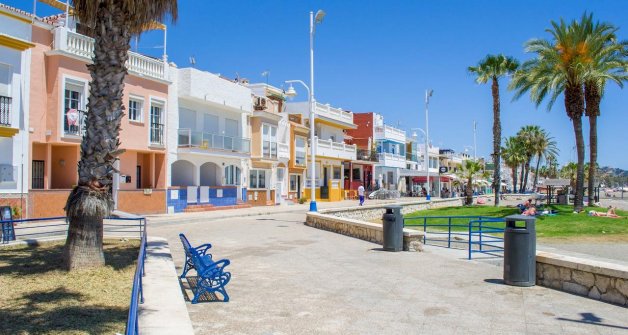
423	179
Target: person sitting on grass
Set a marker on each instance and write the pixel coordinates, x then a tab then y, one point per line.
609	214
531	211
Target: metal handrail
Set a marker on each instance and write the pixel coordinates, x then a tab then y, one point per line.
474	227
5	110
137	292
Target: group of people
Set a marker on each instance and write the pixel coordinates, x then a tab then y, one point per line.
528	208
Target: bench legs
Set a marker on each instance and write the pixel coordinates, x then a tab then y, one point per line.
187	266
211	286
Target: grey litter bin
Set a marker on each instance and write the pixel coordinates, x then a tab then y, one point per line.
393	229
520	250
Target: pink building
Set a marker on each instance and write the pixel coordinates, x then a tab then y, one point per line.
59	92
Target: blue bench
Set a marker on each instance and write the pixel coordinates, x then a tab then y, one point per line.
211	274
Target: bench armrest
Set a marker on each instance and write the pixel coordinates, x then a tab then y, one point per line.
202	249
216	269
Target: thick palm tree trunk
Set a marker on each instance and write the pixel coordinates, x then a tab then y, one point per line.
514	179
90	202
574	105
527	172
497	136
469	192
592	110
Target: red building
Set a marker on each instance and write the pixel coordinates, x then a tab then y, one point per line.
361	170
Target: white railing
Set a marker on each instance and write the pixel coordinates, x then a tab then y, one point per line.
334	113
393	160
329	148
283	150
388	132
206	141
83	46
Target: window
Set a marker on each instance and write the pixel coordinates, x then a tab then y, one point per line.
336	172
38	175
299	151
269	141
232	175
74	116
135	110
156	124
5	80
257	179
294	181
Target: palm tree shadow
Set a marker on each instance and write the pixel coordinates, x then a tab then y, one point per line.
33	317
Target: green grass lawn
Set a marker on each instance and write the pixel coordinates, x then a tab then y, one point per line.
37	297
564	224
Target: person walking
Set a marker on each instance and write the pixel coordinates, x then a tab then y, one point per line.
361	194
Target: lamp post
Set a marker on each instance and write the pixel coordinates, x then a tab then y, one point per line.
314	19
475	148
428	94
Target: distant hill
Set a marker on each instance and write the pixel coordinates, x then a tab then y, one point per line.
613	176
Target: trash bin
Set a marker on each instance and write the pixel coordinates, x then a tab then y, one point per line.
393	229
520	250
6	220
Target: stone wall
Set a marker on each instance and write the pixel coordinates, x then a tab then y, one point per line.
367	231
596	280
372	212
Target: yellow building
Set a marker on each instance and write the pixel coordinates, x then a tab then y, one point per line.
330	150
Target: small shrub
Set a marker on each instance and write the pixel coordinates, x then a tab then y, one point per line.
17	212
302	200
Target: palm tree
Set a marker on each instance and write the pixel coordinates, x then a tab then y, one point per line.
605	61
513	156
492	68
544	148
528	137
570	171
112	23
470	170
558	69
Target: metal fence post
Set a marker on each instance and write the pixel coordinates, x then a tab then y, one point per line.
449	234
470	224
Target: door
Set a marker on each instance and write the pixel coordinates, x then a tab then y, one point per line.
325	176
299	187
38	175
138	177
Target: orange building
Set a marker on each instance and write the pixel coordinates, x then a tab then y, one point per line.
59	92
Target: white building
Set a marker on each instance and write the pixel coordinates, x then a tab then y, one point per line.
15	60
208	140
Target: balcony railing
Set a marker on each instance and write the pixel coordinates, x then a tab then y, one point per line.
367	155
393	160
329	148
283	150
196	139
334	113
83	46
5	111
388	132
157	134
74	122
412	157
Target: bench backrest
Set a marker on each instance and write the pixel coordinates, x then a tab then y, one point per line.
186	245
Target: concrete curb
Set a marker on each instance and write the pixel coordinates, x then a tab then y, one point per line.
164	310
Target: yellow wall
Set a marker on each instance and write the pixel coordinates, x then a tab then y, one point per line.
335	194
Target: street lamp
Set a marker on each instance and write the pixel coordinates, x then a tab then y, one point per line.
314	20
428	94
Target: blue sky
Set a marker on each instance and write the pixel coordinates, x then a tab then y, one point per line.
380	56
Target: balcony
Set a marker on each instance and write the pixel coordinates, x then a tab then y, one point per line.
412	157
74	122
392	160
210	88
329	148
5	111
283	151
390	133
212	142
367	155
324	112
82	47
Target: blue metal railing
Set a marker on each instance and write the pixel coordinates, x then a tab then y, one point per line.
468	229
137	293
485	236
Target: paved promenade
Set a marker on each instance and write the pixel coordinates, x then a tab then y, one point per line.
293	279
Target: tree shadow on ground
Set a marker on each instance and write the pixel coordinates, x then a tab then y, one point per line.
42	258
36	316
